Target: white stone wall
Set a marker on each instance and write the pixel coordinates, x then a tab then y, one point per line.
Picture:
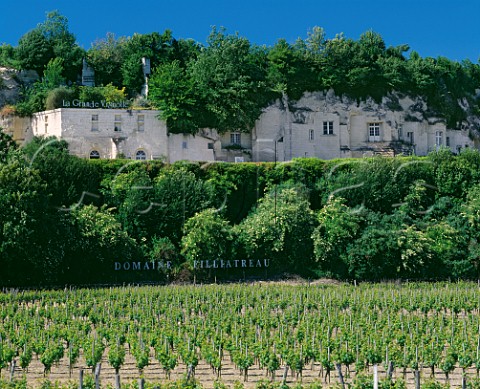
294	121
85	135
18	127
190	148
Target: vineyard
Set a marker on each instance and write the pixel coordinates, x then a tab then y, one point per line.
244	335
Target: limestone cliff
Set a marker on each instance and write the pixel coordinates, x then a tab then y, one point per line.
11	81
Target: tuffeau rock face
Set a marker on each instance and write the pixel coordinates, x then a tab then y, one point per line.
324	125
11	81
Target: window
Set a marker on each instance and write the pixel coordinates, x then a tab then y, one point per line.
400	132
141	123
210	145
235	138
94	154
311	134
438	138
184	145
410	138
46	124
447	141
94	122
374	132
140	155
117	125
327	128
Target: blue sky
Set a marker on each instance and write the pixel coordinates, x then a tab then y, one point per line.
431	27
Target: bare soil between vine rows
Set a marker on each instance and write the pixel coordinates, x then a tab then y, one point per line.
204	374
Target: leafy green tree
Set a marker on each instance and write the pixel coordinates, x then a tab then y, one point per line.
177	196
280	229
7	146
131	194
206	236
230	82
34	51
470	212
389	249
63	43
108	93
52	76
106	57
50	39
173	93
71	180
97	240
164	250
24	207
158	48
290	71
8	56
338	225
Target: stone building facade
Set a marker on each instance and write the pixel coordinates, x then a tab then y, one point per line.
325	126
115	133
318	125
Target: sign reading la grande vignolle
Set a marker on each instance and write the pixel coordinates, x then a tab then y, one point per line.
76	103
206	264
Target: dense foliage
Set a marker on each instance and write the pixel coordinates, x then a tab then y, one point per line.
225	83
69	220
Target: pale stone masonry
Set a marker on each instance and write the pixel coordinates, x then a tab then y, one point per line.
320	125
325	126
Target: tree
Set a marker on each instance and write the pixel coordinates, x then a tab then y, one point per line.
106	56
50	39
173	93
338	225
71	180
7	146
470	212
52	75
177	196
280	229
132	196
389	249
230	83
206	236
24	208
97	240
63	42
158	48
7	56
34	51
291	71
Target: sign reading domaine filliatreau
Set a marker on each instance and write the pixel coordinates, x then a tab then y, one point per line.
207	264
76	103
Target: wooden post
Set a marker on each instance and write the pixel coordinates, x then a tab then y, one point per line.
464	382
390	370
340	374
12	369
284	378
375	376
141	383
97	375
417	379
117	381
80	379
